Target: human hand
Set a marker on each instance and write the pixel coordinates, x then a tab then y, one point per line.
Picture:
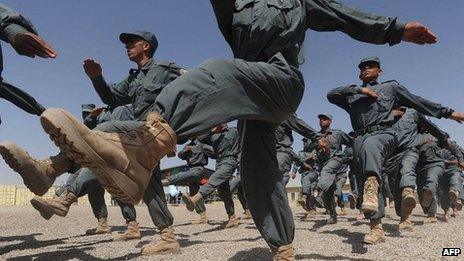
92	68
30	45
417	33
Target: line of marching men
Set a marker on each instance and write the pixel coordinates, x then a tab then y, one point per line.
261	88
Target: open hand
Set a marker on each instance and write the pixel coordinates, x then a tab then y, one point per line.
30	44
457	116
417	33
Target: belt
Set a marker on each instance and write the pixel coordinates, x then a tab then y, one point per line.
371	129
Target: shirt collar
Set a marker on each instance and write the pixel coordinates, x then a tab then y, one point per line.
144	68
148	64
370	84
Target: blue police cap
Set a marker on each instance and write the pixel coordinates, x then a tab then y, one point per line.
88	107
369	60
147	36
325	115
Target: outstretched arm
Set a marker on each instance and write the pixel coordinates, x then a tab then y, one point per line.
19	31
298	125
330	15
407	99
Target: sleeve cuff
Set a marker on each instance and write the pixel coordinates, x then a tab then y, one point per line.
397	31
448	113
358	90
97	80
11	30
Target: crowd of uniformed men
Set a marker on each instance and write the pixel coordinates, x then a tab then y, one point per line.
394	151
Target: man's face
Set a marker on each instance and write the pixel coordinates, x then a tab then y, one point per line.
370	72
136	47
324	122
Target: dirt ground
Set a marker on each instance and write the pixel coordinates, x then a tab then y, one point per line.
24	235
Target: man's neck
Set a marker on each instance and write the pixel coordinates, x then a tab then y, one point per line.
369	82
143	62
325	130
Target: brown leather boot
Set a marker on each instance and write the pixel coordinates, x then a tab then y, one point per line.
123	163
283	253
132	232
247	214
459	205
431	218
191	201
376	235
446	216
370	197
232	223
102	228
405	224
408	202
54	206
202	219
37	175
453	196
167	245
427	198
302	202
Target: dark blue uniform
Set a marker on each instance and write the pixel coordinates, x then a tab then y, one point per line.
372	120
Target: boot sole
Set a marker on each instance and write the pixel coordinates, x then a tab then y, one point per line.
408	204
231	226
430	221
375	242
428	198
407	229
30	178
369	208
68	139
44	210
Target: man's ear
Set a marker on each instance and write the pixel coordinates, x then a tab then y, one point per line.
146	46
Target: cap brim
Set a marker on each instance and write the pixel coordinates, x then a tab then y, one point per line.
360	66
126	37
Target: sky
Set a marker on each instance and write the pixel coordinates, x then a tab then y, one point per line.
188	34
